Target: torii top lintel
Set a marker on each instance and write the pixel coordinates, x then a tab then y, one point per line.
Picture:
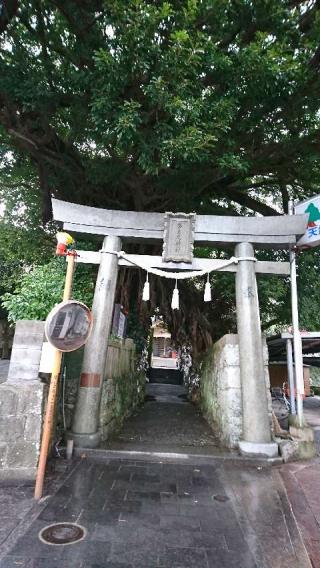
276	232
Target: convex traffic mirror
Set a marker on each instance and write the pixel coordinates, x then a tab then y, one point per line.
68	325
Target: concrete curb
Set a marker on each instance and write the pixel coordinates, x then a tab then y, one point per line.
183	458
291	521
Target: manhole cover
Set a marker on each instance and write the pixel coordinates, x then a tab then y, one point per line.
221	498
62	533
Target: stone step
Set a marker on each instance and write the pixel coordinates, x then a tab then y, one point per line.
165	376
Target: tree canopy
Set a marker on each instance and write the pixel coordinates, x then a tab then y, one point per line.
200	105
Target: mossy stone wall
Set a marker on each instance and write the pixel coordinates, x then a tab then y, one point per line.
123	387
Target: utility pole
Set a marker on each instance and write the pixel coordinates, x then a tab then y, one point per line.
297	343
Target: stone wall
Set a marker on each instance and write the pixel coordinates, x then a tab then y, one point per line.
26	350
123	387
23	397
21	404
221	396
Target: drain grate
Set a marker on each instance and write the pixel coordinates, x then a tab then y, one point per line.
62	534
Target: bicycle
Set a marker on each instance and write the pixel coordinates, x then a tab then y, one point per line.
278	393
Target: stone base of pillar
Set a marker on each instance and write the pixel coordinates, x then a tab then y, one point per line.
85	440
304	438
254	449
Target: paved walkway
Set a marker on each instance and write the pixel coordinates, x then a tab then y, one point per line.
302	482
150	514
167	422
194	509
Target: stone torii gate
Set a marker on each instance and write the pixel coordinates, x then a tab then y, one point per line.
119	227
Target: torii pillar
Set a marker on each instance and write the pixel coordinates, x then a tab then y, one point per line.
85	427
256	433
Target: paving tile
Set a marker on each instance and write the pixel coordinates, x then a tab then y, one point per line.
155	468
145	476
114	533
20	509
138	534
186	538
57	514
169	487
34	548
119	474
309	526
76	491
179	522
136	462
32	533
235	541
166	497
184	557
52	563
302	484
115	495
187	498
141	495
8	524
198	510
137	555
92	503
102	517
210	539
178	538
203	483
72	509
14	562
93	552
140	468
218	558
165	508
58	501
110	564
126	506
142	519
164	515
143	486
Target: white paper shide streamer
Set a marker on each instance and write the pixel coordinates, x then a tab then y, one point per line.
207	291
175	298
146	290
177	276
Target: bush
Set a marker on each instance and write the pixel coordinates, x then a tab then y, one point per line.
41	289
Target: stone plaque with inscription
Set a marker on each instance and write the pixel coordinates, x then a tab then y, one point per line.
178	237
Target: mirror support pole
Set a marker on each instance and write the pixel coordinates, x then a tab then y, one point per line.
53	391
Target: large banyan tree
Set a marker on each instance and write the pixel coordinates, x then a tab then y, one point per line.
195	105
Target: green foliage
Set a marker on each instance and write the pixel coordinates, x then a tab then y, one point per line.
41	288
315	379
115	103
204	106
136	330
